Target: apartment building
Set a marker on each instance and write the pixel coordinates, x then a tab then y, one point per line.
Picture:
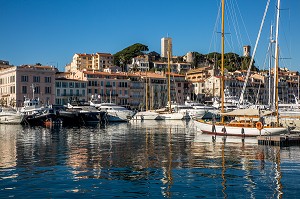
68	89
140	63
27	81
89	62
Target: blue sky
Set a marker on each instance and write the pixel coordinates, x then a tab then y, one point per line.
52	31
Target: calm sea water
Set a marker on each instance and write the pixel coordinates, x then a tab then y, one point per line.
142	160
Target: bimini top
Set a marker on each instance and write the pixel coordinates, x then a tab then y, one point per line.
248	112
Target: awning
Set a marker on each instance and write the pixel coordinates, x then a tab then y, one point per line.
247	112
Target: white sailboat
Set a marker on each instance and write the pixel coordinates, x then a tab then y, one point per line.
147	114
170	114
246	122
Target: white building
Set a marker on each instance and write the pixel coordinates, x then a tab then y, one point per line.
165	41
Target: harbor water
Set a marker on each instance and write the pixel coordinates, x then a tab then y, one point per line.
148	159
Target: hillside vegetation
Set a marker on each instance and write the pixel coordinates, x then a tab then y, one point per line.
232	61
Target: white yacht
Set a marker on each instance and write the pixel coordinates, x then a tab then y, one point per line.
9	115
115	113
147	115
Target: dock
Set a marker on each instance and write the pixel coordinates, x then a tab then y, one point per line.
281	140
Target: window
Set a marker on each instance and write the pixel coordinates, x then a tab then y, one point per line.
71	92
89	91
77	85
12	89
24	78
37	90
12	78
47	79
24	89
58	92
77	92
83	92
65	92
58	84
83	85
64	84
71	84
101	83
36	79
47	90
96	91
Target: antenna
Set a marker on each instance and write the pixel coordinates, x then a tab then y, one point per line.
32	86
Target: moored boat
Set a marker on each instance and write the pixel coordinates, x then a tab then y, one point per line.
9	115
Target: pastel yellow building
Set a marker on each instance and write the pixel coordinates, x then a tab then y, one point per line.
97	61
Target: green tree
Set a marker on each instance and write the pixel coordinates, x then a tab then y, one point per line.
124	56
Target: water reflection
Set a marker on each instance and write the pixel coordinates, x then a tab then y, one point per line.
142	159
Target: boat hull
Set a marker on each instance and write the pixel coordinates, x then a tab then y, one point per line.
119	116
224	130
10	119
171	116
146	115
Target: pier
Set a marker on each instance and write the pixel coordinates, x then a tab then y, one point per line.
281	140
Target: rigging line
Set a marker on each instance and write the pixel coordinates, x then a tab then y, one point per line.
235	23
254	51
215	28
243	23
285	36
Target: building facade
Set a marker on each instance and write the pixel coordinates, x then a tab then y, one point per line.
68	90
97	61
27	81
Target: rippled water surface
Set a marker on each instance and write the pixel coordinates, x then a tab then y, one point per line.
142	160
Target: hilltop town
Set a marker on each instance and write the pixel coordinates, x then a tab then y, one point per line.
131	75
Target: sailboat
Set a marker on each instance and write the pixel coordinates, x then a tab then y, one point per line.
148	114
242	122
170	114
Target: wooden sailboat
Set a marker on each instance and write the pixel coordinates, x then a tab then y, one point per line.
246	122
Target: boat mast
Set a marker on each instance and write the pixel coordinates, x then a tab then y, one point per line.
169	74
275	99
222	62
146	92
32	86
270	65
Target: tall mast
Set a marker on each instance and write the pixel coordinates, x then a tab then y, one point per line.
222	62
169	74
270	65
146	92
275	99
